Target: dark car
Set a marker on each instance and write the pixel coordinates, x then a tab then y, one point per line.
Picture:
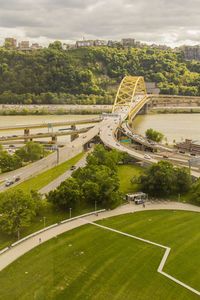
165	156
17	178
192	154
181	151
73	168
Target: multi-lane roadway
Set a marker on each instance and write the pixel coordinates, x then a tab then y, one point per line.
105	129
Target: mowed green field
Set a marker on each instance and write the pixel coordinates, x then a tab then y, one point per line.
93	263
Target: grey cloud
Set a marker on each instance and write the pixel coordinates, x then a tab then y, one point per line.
155	20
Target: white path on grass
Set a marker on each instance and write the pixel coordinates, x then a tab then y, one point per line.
15	252
160	268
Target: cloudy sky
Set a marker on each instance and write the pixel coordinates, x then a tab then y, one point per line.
173	22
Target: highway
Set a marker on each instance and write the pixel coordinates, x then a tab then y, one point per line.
105	129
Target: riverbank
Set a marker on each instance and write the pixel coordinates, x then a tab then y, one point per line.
173	110
13	110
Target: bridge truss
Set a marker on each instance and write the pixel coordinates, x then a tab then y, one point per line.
129	87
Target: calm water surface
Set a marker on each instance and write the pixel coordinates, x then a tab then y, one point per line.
173	126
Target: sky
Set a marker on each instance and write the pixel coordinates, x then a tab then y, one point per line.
171	22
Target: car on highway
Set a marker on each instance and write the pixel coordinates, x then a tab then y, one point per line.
9	182
72	168
17	178
192	154
165	156
147	156
182	152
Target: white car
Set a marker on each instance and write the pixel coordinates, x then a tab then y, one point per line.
147	156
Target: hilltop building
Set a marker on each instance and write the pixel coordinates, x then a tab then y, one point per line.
12	42
191	52
128	42
151	88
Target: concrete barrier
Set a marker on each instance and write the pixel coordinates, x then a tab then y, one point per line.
49	227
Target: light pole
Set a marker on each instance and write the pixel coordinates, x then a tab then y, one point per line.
70	212
57	149
44	219
18	233
95	205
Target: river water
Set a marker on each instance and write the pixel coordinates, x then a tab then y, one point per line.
173	126
26	120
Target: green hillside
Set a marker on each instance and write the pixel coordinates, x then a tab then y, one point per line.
90	75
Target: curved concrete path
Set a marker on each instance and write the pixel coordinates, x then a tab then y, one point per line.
15	252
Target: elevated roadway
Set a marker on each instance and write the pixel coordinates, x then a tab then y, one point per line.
50	125
130	98
43	135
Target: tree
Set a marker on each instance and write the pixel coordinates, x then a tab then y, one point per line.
183	179
68	194
159	179
30	152
154	135
57	45
100	156
163	179
17	209
9	162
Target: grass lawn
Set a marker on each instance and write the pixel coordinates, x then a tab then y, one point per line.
47	210
93	263
126	173
39	181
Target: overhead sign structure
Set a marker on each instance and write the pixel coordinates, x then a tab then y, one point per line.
126	141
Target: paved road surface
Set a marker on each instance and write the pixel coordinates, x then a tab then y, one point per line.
53	184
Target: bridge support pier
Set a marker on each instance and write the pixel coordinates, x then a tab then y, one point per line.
54	139
26	131
146	108
73	136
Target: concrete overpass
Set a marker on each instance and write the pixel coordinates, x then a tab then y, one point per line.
27	128
130	98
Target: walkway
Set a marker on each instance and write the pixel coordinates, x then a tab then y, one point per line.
15	252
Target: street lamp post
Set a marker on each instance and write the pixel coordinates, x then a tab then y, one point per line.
44	219
18	233
57	149
95	205
70	212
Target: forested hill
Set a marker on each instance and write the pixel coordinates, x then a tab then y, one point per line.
90	75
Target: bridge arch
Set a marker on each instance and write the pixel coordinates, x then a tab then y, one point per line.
129	87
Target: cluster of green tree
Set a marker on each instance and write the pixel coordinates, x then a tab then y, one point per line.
163	179
10	97
58	111
96	182
28	153
53	75
17	210
154	135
